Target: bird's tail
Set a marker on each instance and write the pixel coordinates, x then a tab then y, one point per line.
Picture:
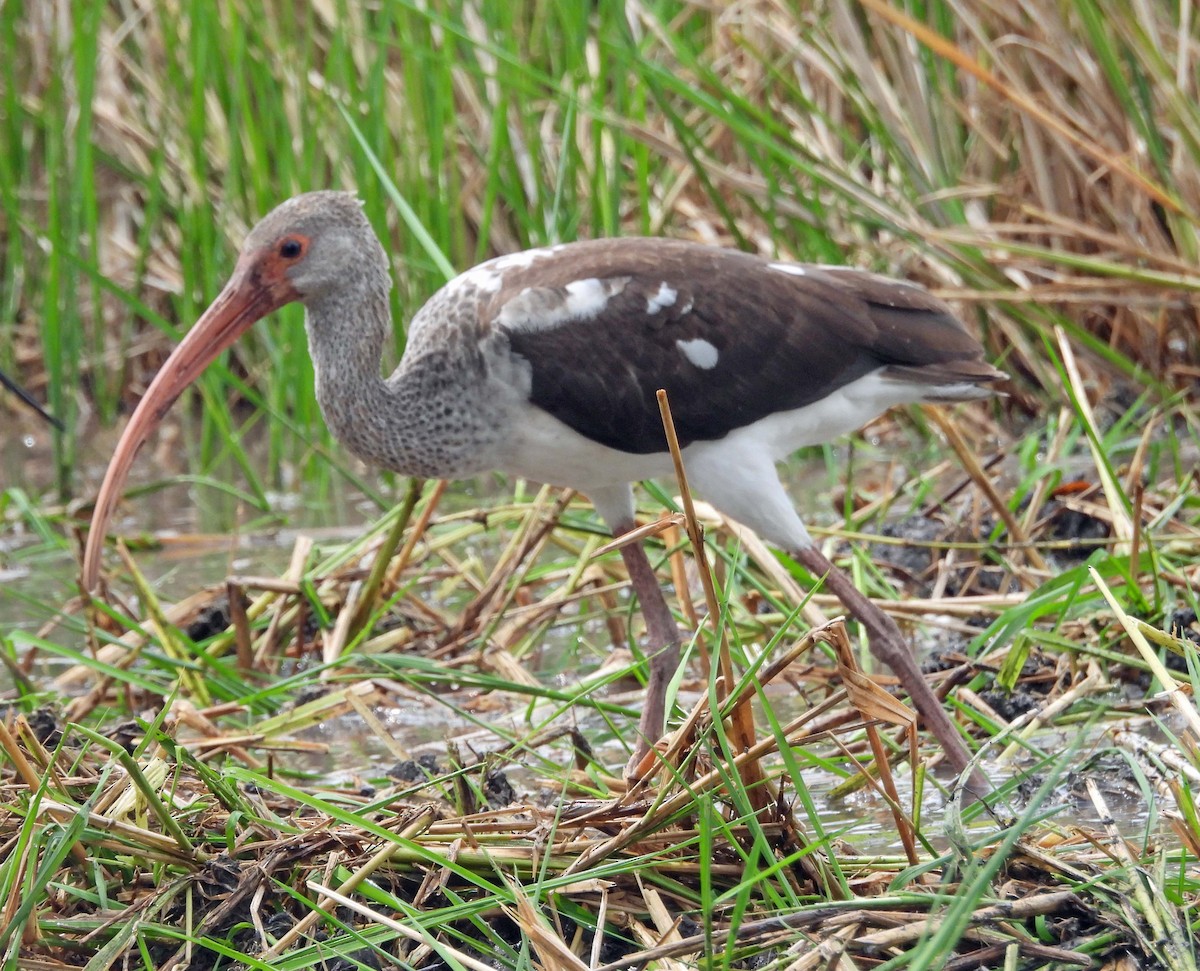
963	380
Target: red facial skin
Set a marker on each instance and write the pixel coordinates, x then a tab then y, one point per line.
259	285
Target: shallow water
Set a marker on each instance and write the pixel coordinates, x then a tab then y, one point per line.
36	581
354	759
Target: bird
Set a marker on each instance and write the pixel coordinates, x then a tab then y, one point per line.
546	363
32	402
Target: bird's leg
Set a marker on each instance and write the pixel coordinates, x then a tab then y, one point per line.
887	644
663	635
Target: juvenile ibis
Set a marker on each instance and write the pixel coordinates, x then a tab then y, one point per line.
545	364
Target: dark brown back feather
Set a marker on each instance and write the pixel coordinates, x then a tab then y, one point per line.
782	340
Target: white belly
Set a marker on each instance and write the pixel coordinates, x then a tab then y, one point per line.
545	449
838	413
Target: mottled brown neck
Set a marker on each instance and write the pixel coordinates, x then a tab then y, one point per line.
425	419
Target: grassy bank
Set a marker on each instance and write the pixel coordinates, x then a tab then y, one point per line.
1034	164
1043	183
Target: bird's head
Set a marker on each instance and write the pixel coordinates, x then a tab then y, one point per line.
306	249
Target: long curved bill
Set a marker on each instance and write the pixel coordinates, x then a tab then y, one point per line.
244	301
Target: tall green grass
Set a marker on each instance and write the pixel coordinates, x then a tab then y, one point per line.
134	153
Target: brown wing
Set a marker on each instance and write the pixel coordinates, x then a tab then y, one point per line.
730	336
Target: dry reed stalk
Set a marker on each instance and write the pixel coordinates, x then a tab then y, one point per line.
1024	103
874	704
1121	522
294	574
967	457
1032	721
483	614
742	721
370	593
680	581
1179	697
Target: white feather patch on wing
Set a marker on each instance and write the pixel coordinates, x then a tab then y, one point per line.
488	277
663	298
699	352
538	308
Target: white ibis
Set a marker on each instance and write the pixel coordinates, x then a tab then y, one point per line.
545	364
31	401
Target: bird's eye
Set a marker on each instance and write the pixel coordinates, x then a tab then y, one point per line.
290	248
